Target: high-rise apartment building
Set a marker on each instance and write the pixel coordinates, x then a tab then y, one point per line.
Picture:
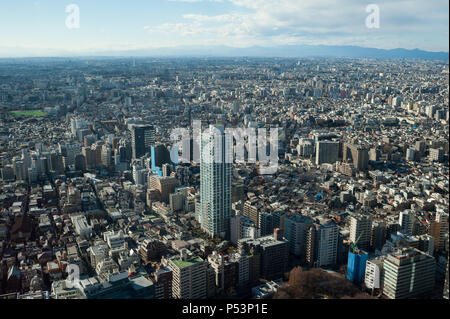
361	230
215	181
188	277
295	231
322	243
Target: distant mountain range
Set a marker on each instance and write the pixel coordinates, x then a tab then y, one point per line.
287	51
255	51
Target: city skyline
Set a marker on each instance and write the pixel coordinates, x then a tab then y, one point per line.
246	150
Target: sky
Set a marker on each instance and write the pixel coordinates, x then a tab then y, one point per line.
38	27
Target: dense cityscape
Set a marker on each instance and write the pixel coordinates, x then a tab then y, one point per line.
95	203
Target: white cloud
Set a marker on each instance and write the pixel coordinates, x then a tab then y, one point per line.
272	22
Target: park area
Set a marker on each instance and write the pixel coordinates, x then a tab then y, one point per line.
29	113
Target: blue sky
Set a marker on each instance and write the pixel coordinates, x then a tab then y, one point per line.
37	27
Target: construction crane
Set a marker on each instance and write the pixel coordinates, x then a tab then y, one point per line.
353	245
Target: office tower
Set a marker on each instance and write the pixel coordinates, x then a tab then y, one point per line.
142	139
374	273
408	273
326	152
361	230
273	251
188	276
356	265
215	181
406	220
295	231
357	155
160	155
165	185
322	243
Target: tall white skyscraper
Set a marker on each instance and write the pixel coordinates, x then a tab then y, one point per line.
215	181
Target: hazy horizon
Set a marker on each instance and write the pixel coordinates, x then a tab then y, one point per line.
44	28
